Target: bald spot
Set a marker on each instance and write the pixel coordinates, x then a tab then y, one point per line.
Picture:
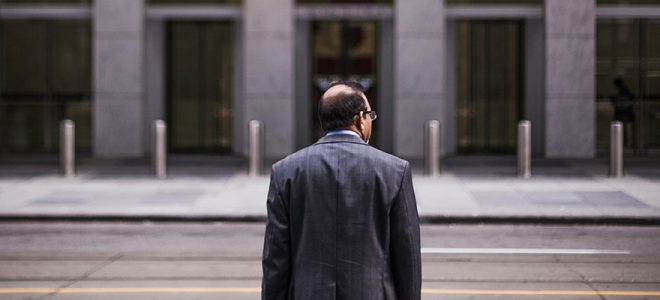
337	92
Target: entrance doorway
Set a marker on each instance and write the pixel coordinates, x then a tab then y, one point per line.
200	86
346	50
489	84
628	82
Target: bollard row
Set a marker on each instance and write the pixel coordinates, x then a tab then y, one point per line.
256	148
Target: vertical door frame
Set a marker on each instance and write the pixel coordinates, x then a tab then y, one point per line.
156	86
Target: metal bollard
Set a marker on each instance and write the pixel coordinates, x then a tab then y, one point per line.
616	149
67	148
432	148
256	148
159	148
524	149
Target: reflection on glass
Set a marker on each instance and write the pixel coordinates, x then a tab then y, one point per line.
626	1
194	1
200	93
488	85
45	77
494	2
344	50
628	82
344	1
46	1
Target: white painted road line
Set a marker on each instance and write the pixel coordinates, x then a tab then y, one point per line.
519	251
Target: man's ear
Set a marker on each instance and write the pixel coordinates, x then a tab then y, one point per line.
360	121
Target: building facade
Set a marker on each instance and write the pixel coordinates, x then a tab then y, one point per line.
208	67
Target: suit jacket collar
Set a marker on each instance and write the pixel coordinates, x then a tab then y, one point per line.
341	138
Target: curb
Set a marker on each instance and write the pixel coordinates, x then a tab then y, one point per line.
500	220
133	218
544	220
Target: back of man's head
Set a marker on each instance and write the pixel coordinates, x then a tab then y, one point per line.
339	104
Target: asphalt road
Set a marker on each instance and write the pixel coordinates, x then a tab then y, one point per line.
222	261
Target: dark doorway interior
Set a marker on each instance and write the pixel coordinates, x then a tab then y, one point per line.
344	50
489	86
45	77
628	82
199	86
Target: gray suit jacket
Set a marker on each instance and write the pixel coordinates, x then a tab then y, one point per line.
342	224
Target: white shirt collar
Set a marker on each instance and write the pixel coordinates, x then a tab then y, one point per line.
335	132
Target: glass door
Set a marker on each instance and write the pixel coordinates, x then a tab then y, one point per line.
344	50
489	89
45	77
200	78
628	82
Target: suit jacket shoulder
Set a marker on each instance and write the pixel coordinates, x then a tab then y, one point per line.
370	157
349	156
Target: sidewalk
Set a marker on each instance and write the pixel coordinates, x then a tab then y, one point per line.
471	189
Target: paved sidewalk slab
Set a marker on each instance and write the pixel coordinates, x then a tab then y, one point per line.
465	191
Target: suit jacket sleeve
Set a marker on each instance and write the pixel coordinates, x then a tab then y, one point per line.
405	241
276	256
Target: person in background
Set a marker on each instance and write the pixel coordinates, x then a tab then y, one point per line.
623	103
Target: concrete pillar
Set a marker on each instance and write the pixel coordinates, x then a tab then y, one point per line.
385	85
419	72
155	77
118	78
268	75
304	105
534	82
570	78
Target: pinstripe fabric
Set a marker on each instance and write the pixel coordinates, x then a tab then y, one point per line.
342	224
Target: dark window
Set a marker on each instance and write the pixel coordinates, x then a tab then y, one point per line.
628	82
47	1
45	77
344	1
194	1
627	2
494	2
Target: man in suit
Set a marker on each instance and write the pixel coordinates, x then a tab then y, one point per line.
342	215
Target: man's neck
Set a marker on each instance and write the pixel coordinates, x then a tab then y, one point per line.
347	130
